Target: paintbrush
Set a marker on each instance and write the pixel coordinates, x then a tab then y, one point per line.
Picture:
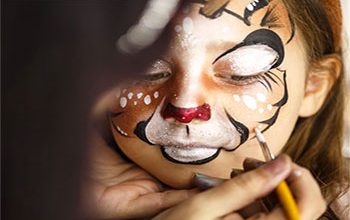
283	192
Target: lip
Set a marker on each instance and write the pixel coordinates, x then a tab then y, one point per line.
190	155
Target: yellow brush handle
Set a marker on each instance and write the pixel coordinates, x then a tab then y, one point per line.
287	201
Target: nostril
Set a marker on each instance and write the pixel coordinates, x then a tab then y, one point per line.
186	115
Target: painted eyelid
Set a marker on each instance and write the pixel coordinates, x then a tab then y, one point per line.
250	60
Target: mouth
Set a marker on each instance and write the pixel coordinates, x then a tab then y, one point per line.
190	155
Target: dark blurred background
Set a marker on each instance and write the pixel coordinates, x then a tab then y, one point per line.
57	57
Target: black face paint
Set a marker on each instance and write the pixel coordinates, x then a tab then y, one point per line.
253	7
216	12
271	121
140	130
241	128
261	36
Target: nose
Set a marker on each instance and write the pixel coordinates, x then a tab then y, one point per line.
186	115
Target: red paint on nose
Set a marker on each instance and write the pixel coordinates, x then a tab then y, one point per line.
186	115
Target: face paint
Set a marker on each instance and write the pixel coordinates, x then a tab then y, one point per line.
201	102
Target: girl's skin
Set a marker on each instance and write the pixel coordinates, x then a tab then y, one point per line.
187	78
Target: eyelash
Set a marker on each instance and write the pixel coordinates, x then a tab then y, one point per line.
156	76
239	80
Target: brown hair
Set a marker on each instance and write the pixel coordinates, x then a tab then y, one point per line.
316	141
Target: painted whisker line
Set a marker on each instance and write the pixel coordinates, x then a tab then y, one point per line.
263	83
269	122
271	73
270	77
267	81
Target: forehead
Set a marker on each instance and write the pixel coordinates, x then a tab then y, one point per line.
229	26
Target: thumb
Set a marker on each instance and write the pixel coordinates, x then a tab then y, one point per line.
244	189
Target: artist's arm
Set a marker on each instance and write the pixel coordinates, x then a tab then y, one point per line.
114	188
225	200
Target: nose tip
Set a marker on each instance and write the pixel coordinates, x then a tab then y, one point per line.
186	115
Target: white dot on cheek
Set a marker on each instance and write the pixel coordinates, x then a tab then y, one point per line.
156	94
135	102
123	102
236	98
139	95
187	25
147	100
178	28
269	107
130	95
249	101
261	97
261	110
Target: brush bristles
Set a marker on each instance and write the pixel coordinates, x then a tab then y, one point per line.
259	136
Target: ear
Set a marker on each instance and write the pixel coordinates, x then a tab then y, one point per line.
321	76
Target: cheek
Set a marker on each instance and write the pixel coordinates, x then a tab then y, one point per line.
257	105
133	104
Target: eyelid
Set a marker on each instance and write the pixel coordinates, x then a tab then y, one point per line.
248	60
159	66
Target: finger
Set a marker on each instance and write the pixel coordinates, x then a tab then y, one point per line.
233	216
238	192
205	182
151	204
236	172
307	193
252	163
277	213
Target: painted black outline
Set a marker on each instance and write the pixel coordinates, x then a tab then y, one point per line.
271	121
241	128
140	130
260	37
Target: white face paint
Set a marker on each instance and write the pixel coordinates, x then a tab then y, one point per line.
261	97
139	95
252	59
177	28
269	107
130	95
249	101
123	102
187	25
156	94
236	98
135	102
147	100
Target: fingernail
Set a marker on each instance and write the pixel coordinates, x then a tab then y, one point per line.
235	172
276	166
205	182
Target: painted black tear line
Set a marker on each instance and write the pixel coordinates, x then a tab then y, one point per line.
196	162
241	128
264	84
140	130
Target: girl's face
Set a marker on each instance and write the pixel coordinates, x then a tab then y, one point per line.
227	71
